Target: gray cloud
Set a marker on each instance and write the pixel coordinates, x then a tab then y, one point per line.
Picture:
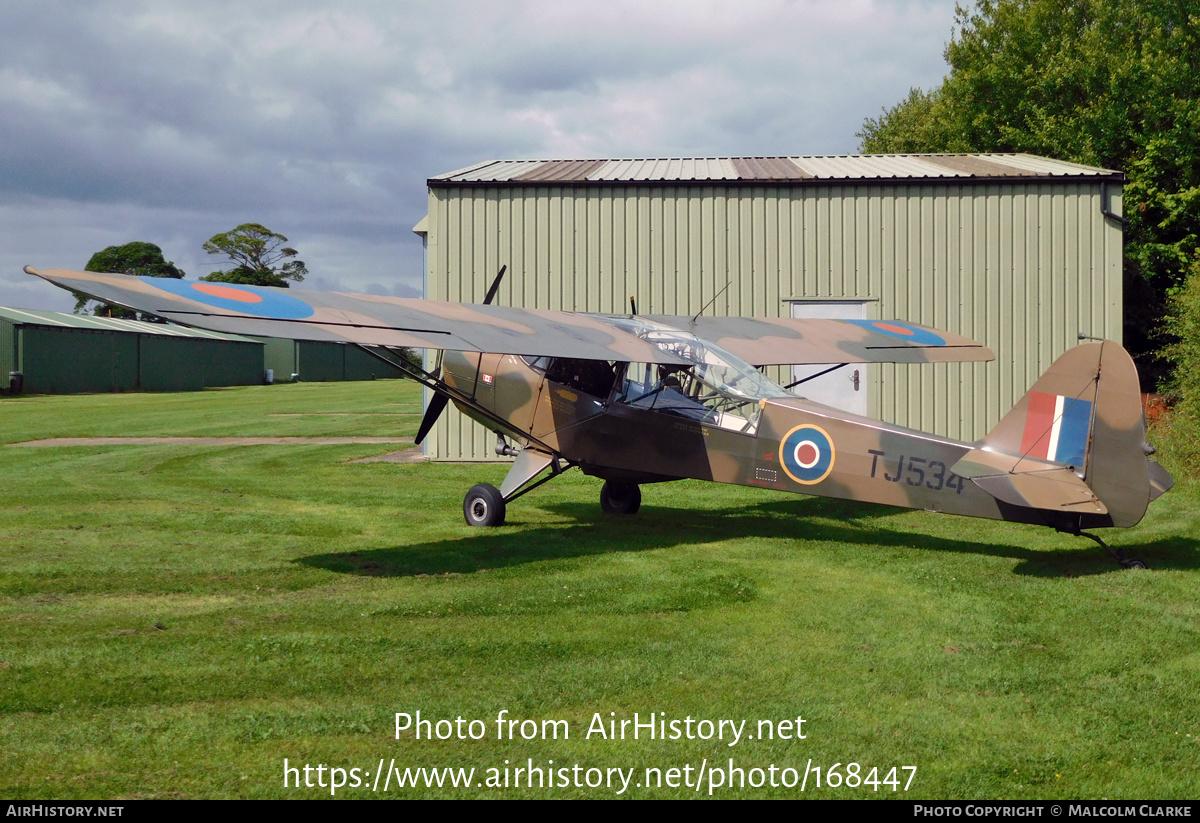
172	121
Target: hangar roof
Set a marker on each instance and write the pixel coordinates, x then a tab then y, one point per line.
827	170
29	317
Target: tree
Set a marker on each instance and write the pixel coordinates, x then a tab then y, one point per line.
144	259
259	255
1182	434
1109	83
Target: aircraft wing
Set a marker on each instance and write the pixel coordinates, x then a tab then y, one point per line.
367	320
787	341
371	320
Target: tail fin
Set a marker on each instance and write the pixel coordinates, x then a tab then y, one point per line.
1085	412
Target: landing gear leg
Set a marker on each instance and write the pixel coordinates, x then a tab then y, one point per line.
1117	554
620	498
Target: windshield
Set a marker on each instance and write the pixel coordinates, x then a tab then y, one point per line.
710	363
715	366
716	387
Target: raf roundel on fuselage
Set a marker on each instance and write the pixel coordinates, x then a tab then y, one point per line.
807	454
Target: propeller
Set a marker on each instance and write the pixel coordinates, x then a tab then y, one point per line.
491	294
437	404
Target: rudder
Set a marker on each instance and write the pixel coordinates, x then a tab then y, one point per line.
1118	468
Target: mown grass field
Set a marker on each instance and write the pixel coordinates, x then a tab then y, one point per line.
178	620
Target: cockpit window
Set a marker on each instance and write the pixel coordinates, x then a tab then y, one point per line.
715	387
539	363
594	377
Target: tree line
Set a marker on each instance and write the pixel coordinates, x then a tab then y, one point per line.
259	257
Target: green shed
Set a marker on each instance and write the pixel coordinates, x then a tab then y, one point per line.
316	361
54	353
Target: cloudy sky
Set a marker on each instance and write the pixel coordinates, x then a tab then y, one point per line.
169	122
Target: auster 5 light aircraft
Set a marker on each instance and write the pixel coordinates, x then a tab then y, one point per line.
648	399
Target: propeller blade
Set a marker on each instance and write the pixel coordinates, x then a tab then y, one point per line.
491	293
436	404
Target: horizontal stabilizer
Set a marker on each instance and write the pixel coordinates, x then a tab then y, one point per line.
1038	484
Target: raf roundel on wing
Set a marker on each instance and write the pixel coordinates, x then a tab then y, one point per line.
236	297
902	331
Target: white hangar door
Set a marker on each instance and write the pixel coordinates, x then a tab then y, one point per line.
844	388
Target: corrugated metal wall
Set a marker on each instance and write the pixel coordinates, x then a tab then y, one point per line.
8	361
186	364
77	361
64	360
1022	267
316	361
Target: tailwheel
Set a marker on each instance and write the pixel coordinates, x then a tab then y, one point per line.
1117	554
620	498
484	506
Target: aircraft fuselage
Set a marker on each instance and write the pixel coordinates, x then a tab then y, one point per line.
786	443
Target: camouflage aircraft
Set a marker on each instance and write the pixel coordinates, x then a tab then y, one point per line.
648	399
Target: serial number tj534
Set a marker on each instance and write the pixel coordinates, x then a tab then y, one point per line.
916	471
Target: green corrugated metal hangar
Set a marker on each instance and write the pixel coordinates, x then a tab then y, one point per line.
54	353
1022	253
58	353
315	361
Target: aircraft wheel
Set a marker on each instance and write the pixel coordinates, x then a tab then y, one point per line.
1135	564
620	498
484	506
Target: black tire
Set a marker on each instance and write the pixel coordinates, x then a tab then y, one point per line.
620	498
1135	564
484	506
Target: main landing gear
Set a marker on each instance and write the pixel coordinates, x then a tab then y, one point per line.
620	498
485	504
